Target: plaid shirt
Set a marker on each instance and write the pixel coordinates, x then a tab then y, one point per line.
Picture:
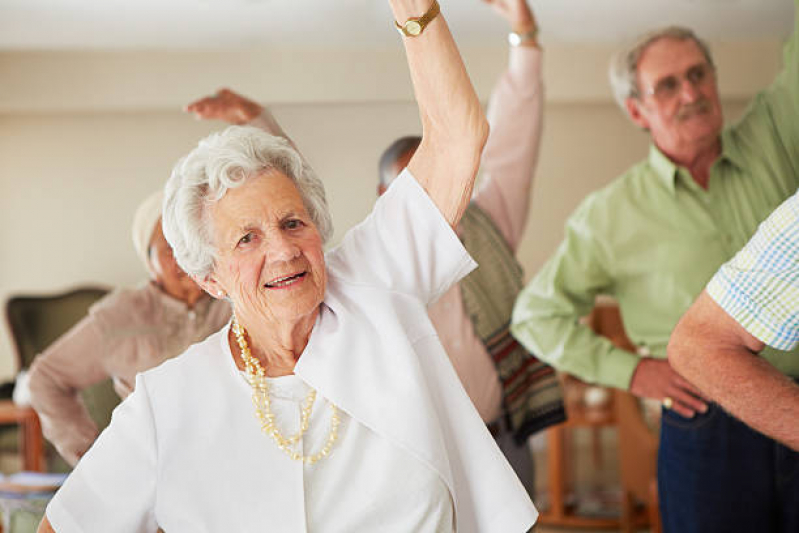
759	287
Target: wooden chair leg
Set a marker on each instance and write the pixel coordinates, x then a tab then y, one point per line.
655	525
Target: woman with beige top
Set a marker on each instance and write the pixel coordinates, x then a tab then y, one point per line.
328	404
127	332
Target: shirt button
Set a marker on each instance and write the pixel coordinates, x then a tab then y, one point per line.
192	315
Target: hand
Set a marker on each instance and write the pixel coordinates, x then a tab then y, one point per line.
654	378
516	12
225	105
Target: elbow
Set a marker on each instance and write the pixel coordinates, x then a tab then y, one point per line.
682	347
483	129
473	144
480	137
35	383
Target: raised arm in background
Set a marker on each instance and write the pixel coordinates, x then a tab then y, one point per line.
515	113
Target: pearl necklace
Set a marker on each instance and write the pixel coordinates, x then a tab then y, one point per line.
256	376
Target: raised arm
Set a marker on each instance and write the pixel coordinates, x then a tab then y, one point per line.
768	129
57	376
515	114
720	356
454	128
234	108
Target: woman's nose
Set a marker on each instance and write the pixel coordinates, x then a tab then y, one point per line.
282	248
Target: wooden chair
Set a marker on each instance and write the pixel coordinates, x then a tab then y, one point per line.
35	321
638	445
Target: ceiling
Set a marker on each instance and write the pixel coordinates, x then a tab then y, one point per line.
187	24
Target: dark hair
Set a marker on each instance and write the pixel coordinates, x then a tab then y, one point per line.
391	154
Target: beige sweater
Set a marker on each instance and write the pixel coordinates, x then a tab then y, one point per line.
127	332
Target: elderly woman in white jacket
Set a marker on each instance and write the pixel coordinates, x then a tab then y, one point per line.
328	404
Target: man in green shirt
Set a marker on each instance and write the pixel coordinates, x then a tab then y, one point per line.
652	239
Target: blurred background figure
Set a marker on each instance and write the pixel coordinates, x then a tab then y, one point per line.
128	331
652	239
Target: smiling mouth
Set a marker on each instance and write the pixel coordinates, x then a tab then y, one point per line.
285	281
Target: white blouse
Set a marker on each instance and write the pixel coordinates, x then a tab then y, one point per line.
390	489
185	452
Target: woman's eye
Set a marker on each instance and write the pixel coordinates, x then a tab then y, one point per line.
293	224
246	239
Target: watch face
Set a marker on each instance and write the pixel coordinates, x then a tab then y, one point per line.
514	39
412	27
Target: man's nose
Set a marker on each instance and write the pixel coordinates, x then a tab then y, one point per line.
689	92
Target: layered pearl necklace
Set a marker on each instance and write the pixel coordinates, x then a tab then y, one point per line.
256	376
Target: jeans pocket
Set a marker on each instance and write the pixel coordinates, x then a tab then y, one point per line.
676	420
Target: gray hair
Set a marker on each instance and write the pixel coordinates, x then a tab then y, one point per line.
391	154
223	161
624	64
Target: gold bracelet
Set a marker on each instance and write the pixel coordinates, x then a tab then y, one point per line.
414	26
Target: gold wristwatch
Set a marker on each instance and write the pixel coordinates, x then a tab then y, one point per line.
415	25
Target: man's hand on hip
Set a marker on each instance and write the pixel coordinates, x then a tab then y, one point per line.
654	378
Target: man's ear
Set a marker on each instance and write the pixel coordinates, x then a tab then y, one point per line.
638	117
209	284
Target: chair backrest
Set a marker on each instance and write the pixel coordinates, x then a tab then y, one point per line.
36	321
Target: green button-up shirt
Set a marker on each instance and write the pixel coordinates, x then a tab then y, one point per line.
653	238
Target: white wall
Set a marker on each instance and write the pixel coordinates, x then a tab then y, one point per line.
84	136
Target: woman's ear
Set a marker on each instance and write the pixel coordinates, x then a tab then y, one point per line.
210	285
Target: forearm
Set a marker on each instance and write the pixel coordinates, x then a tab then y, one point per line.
711	350
549	326
65	421
510	156
267	122
751	389
453	123
57	376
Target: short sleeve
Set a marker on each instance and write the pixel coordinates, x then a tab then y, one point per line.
759	287
404	245
113	486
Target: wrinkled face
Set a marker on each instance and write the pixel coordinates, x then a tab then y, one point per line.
269	257
168	274
679	101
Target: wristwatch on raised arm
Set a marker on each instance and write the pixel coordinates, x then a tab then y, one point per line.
518	39
415	25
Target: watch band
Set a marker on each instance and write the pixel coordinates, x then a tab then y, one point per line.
517	39
414	26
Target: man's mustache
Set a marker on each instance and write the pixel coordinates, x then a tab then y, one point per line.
694	108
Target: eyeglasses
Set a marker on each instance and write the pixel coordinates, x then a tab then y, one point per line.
668	87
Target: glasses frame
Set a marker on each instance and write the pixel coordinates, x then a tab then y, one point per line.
668	87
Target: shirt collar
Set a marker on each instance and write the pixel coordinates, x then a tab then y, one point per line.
663	167
668	172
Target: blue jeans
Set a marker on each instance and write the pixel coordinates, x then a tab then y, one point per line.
717	475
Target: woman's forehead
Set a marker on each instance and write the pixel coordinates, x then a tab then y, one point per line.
267	195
